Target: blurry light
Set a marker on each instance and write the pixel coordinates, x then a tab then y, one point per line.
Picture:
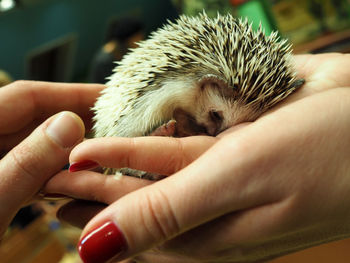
6	5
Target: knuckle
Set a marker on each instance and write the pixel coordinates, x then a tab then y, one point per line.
182	155
177	160
22	85
98	194
21	82
129	158
158	216
20	156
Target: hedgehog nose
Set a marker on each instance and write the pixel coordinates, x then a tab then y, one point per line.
212	129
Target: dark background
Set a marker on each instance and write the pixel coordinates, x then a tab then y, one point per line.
59	37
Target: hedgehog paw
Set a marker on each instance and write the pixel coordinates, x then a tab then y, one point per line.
167	129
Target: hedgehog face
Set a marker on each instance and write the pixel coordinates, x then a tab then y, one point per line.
216	106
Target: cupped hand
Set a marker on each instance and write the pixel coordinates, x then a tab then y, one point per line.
258	191
35	139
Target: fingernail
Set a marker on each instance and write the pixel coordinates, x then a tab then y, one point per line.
102	244
82	165
65	129
54	197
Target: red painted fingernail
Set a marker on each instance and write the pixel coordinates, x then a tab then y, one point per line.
102	244
82	165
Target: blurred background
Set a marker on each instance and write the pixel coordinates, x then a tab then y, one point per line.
78	41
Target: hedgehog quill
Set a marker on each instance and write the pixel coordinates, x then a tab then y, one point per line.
200	74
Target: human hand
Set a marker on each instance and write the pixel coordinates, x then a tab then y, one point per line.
258	191
33	147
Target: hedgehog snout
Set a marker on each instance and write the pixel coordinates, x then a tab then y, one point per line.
214	124
186	124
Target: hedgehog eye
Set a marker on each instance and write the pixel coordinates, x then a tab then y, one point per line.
216	116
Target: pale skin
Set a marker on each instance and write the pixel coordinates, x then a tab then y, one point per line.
257	191
34	152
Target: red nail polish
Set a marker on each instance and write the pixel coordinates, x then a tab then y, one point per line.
102	244
82	165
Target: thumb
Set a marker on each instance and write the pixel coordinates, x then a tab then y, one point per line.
31	163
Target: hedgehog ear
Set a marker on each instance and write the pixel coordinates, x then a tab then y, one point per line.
212	81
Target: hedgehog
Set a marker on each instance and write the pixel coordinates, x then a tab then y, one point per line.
197	75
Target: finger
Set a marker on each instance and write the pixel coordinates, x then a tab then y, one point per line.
323	71
165	209
307	66
8	141
26	101
319	73
161	155
93	186
24	169
78	212
159	257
